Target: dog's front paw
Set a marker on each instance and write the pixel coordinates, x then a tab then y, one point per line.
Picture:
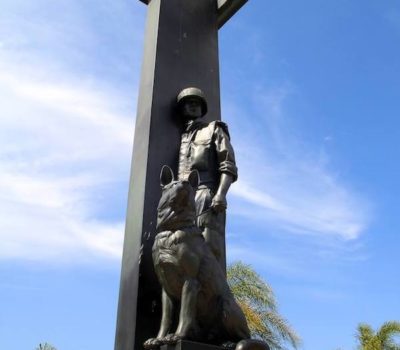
152	343
171	339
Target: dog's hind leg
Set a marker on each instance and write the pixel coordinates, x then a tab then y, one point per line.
234	321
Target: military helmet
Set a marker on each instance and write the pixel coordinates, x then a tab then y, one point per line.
193	92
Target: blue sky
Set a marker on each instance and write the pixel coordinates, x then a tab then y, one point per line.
311	93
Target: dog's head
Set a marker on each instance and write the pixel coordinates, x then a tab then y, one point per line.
177	209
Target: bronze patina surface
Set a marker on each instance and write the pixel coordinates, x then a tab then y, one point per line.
206	147
194	287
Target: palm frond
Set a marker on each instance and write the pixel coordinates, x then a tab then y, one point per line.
282	327
364	335
392	346
245	283
254	319
258	303
45	346
387	331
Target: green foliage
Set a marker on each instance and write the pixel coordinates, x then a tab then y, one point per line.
382	339
45	346
258	303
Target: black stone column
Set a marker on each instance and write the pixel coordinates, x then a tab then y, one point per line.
181	50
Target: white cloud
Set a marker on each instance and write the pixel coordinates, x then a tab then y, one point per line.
268	261
286	182
310	204
66	129
59	147
66	135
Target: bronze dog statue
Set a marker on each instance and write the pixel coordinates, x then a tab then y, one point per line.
193	283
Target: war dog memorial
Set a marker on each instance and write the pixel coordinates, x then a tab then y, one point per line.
173	290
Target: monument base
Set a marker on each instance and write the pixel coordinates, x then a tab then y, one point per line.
190	345
248	344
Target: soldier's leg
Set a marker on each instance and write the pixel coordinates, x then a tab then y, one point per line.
213	241
213	229
212	224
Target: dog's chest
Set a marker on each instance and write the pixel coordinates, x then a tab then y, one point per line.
177	252
167	246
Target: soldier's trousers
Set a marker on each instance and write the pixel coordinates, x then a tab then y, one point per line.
211	223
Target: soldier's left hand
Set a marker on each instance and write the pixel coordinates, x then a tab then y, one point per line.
218	203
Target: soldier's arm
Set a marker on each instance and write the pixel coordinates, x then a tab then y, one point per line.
226	166
224	149
219	203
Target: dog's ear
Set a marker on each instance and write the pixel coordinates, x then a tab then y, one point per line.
194	178
166	176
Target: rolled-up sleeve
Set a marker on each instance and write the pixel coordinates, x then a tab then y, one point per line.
225	153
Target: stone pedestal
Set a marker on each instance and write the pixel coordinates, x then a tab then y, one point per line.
248	344
189	345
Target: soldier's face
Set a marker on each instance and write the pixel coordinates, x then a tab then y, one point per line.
192	109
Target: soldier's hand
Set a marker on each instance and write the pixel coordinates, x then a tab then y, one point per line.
218	203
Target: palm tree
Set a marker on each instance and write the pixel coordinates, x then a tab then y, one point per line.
45	346
258	303
382	339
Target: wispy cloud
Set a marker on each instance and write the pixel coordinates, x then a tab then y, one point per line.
60	147
65	137
268	260
66	134
285	181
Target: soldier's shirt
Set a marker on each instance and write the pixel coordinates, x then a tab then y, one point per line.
206	147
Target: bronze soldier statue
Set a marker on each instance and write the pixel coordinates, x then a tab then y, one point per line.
206	147
189	248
